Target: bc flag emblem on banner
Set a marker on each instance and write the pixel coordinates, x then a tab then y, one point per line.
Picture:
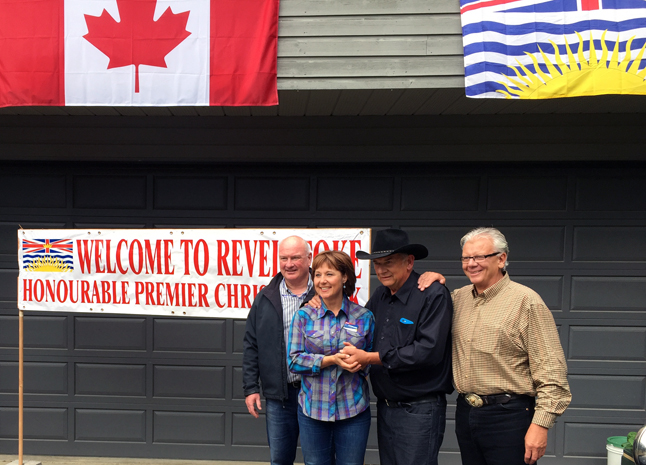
48	255
536	49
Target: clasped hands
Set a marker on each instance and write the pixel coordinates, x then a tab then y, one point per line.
350	358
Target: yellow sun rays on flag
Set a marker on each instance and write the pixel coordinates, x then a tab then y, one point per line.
48	263
595	76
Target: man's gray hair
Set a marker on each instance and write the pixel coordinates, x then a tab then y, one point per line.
498	239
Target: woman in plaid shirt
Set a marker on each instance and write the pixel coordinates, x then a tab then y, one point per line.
334	414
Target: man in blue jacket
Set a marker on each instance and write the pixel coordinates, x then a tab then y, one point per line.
265	349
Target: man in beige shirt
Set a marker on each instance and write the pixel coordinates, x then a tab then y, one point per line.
508	364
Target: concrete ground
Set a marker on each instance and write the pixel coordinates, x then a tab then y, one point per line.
53	460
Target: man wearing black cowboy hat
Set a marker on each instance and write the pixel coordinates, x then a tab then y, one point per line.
411	362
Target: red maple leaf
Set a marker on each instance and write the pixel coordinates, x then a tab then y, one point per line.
137	39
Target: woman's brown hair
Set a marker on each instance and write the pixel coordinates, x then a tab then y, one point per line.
341	262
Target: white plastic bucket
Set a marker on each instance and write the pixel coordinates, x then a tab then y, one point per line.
614	454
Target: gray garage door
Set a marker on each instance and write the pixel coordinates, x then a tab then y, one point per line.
160	387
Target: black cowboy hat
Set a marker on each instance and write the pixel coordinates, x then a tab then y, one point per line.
391	241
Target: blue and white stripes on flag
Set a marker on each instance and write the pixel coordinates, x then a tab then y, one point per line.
555	48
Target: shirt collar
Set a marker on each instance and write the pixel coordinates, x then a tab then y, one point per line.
284	290
492	291
404	292
320	312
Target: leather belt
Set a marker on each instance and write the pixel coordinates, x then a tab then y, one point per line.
477	401
294	384
406	403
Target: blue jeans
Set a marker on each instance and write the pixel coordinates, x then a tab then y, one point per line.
328	442
493	434
282	428
411	434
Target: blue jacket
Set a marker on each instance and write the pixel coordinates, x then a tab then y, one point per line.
262	362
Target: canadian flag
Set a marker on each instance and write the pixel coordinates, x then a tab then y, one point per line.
138	52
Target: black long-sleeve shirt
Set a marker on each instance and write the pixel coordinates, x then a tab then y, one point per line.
413	338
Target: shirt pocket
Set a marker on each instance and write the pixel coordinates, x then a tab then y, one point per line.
357	338
315	342
487	339
405	333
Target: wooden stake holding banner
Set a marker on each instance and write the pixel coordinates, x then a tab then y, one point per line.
21	384
21	334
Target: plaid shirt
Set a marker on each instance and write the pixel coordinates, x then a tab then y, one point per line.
291	303
331	393
505	341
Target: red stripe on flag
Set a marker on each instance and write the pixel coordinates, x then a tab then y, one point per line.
588	5
31	52
244	36
475	6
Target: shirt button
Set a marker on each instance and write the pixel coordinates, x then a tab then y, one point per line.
387	320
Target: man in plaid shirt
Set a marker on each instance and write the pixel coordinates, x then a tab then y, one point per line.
508	363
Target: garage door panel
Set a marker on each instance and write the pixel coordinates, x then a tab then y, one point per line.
205	382
608	392
110	425
237	389
610	294
110	192
607	193
197	193
440	193
36	191
110	333
355	194
39	423
610	244
248	431
42	332
238	336
443	243
527	193
589	440
607	343
262	193
194	335
39	377
188	427
8	279
550	288
8	235
103	379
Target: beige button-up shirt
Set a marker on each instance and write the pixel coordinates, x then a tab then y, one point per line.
505	341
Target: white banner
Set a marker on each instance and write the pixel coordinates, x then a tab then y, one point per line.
184	272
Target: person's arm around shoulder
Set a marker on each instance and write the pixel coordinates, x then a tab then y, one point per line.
250	369
426	279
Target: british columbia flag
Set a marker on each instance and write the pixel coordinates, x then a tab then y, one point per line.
37	249
553	48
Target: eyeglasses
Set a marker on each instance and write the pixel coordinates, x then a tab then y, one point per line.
479	258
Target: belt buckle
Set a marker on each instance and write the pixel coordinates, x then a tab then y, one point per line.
474	400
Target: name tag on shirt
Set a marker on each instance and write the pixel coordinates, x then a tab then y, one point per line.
351	328
405	321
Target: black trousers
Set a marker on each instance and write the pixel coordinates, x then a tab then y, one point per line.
493	434
411	434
